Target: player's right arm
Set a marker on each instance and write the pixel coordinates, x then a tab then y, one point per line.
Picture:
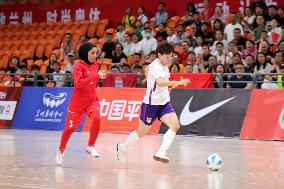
162	82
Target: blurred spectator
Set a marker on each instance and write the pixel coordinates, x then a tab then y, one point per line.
188	68
281	46
145	27
149	43
174	68
49	69
141	15
219	37
264	47
218	14
249	17
70	66
260	26
241	41
120	33
229	29
278	80
128	20
161	35
218	25
249	50
249	64
181	34
138	28
140	75
33	79
207	11
260	11
275	34
236	59
276	61
58	75
125	68
171	36
67	46
240	79
193	30
272	13
136	45
114	69
153	56
233	49
197	21
263	37
108	46
13	65
258	3
205	34
83	40
127	44
69	81
161	16
22	76
262	67
199	44
137	59
212	63
197	66
206	53
221	55
190	10
176	58
185	52
281	16
118	53
220	80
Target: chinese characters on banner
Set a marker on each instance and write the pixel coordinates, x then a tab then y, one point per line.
95	10
120	112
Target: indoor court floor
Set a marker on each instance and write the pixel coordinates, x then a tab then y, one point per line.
27	161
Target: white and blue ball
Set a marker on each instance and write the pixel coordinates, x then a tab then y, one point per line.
214	162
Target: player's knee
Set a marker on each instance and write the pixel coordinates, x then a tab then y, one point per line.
175	127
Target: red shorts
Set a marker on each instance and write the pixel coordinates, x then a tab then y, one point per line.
92	107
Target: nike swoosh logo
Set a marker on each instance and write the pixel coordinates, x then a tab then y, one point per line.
187	117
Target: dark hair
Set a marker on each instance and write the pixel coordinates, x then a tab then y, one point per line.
237	29
213	57
153	52
239	63
143	8
68	72
161	3
55	62
165	48
279	43
138	54
35	67
114	66
174	64
109	34
221	23
192	6
272	6
215	67
68	33
219	43
23	66
137	66
125	65
120	45
257	62
250	41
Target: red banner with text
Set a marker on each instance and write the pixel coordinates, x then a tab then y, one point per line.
97	9
196	80
265	116
120	80
9	97
120	110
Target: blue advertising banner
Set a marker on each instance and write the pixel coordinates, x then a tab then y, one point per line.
43	108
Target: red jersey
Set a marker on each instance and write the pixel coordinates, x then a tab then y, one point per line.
85	85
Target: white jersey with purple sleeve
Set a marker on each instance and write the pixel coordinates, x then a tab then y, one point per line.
156	95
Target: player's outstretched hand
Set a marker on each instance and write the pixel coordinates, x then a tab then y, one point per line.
102	74
185	82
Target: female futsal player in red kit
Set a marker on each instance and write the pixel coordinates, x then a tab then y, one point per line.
84	99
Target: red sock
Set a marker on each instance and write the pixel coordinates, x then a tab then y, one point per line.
72	122
95	127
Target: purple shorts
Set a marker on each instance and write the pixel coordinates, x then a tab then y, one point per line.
149	113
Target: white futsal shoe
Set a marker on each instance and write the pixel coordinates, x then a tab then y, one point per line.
59	158
92	151
120	152
160	156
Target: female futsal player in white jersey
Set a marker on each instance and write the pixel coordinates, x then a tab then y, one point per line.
156	104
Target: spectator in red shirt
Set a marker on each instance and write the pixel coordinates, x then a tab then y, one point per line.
185	52
208	11
67	46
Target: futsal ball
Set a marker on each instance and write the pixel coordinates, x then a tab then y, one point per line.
214	162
